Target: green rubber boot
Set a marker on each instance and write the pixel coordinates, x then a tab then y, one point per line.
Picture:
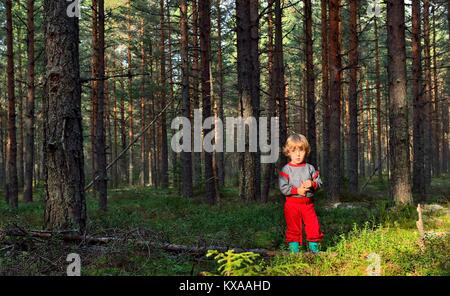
294	247
314	247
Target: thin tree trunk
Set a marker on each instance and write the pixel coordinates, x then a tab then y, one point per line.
197	158
219	156
94	85
116	122
334	177
123	130
11	147
310	84
204	8
100	147
363	132
144	161
324	165
268	175
29	108
418	104
185	156
20	142
279	81
435	106
163	164
353	97
65	204
378	94
400	178
427	107
248	84
130	99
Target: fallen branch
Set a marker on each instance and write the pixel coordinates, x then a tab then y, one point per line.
90	240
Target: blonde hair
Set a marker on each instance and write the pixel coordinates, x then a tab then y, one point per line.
296	141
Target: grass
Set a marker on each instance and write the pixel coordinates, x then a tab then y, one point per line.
352	234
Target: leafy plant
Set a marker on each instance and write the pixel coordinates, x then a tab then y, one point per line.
235	264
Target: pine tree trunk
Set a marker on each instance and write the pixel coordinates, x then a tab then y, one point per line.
334	177
186	157
144	161
435	106
268	175
353	97
163	164
418	104
65	204
100	147
248	85
378	94
310	84
400	179
29	108
130	100
197	158
279	86
324	165
427	107
219	156
20	141
123	131
94	86
11	147
204	8
115	171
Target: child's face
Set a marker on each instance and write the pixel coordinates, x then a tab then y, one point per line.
297	155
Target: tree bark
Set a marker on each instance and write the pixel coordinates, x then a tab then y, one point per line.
427	107
65	204
353	97
186	156
163	164
418	103
268	175
11	147
248	85
100	147
279	86
310	84
378	94
204	7
435	105
130	99
334	177
143	164
197	158
94	86
325	94
219	113
29	107
400	178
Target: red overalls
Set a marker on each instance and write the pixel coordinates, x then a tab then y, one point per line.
296	212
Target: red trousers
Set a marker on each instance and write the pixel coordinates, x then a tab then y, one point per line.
296	212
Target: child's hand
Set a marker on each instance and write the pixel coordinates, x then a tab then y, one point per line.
302	190
307	184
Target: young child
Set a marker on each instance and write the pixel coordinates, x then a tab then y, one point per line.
298	181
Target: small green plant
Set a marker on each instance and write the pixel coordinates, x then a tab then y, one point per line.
235	264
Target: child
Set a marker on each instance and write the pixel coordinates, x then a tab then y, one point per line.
298	181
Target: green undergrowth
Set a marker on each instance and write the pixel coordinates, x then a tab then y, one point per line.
372	226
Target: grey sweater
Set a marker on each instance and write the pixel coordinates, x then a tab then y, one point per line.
292	176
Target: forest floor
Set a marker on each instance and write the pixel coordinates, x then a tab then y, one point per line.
359	231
